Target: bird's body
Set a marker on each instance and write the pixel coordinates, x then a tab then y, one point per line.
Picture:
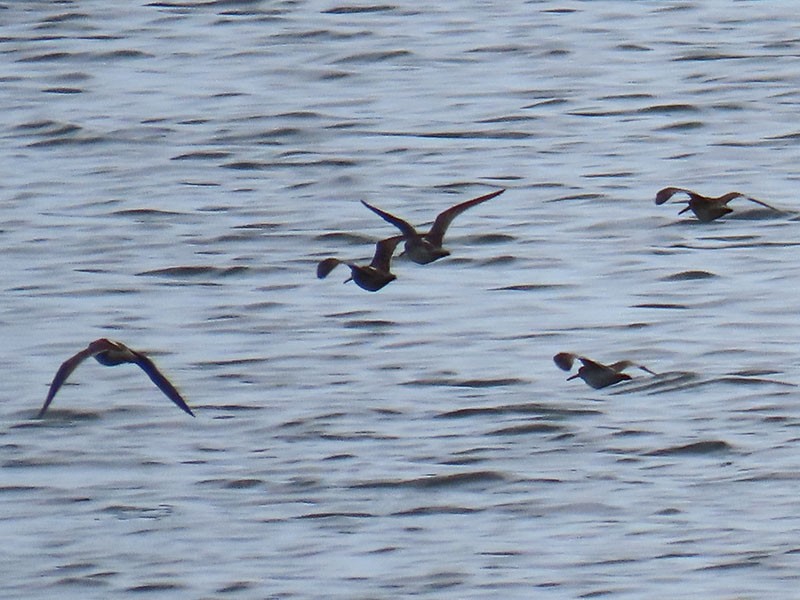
595	374
371	277
110	353
706	208
424	248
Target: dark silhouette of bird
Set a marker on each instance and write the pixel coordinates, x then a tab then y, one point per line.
371	277
596	374
705	208
423	248
110	353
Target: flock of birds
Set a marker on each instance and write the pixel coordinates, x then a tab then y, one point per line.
421	248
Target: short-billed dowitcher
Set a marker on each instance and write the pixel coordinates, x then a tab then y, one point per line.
596	374
423	248
110	353
705	208
371	277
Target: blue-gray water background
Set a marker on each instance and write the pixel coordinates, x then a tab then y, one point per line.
172	172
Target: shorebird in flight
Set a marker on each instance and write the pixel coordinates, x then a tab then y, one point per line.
424	248
111	353
596	374
371	277
705	208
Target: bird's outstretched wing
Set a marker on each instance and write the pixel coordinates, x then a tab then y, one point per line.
149	367
668	192
593	364
68	366
564	360
383	253
764	204
406	228
624	364
436	235
326	266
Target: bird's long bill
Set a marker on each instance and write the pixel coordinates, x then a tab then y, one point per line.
571	377
684	209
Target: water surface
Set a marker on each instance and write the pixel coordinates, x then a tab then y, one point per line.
172	173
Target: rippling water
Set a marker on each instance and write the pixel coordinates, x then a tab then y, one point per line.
173	171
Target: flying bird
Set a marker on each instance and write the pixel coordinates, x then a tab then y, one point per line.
596	374
706	209
424	248
110	353
371	277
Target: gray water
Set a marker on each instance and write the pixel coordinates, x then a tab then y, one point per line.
171	175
